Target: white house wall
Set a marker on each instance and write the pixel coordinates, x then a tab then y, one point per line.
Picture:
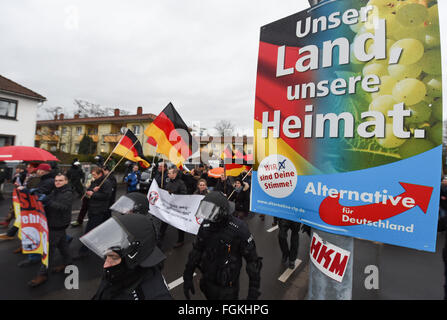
24	128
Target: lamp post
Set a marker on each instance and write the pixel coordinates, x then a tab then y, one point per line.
321	287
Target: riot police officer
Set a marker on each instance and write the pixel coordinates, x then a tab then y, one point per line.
218	249
127	242
133	202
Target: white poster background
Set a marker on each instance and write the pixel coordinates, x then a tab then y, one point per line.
320	264
178	210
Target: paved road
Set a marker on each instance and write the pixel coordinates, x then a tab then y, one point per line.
403	273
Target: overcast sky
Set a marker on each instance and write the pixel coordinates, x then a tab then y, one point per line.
199	55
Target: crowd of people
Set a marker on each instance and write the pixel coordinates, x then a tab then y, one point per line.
222	242
57	191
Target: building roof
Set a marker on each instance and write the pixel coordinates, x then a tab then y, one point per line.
95	120
9	86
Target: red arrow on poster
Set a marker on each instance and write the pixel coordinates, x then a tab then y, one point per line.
333	213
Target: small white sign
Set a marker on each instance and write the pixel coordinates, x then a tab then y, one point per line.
277	176
328	258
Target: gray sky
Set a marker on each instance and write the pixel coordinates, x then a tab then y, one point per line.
199	55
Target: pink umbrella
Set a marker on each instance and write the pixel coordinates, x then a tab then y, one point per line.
24	153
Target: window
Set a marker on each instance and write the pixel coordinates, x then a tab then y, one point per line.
63	147
8	109
77	148
136	129
78	131
64	131
6	141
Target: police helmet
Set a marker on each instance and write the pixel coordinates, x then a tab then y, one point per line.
133	202
215	207
132	236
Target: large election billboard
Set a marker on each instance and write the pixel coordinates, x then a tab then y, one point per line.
348	120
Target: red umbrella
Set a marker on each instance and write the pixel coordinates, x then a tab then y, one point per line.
25	154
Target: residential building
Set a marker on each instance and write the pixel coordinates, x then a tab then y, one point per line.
18	113
64	134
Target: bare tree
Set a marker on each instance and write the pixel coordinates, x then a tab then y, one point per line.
88	109
224	127
46	113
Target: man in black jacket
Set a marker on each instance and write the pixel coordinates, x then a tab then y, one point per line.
57	207
99	194
111	177
76	176
175	185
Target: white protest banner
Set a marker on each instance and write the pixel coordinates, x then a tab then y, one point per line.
175	209
328	258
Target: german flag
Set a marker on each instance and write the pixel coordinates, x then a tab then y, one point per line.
130	148
171	135
234	169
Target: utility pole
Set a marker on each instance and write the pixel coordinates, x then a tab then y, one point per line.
321	287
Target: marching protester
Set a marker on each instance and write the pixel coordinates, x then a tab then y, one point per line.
98	195
76	177
31	181
241	197
57	206
111	177
221	243
202	188
17	180
161	175
224	185
175	185
127	243
289	253
133	178
43	188
190	181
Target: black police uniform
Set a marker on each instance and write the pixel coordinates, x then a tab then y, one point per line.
217	252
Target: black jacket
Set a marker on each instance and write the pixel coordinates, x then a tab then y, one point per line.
75	174
224	186
58	207
158	177
99	201
242	198
46	184
143	284
176	186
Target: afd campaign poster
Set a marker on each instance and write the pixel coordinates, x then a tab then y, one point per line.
348	120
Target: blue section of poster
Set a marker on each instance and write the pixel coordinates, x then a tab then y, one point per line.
355	191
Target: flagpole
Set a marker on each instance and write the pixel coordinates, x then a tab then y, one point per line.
242	180
113	169
115	147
